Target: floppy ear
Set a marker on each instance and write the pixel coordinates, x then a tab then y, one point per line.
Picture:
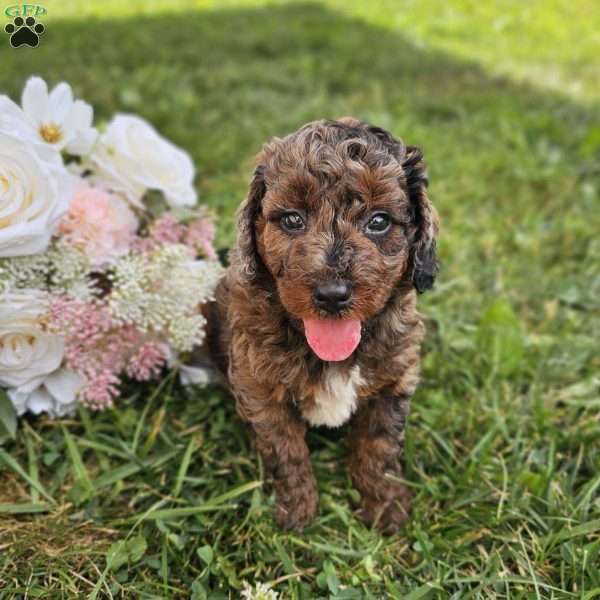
423	215
246	250
425	220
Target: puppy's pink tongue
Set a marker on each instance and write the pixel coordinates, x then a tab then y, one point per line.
332	339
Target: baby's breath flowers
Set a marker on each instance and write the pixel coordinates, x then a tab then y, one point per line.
103	269
160	291
61	269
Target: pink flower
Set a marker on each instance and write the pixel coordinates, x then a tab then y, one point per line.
95	347
147	362
165	230
200	235
100	223
102	351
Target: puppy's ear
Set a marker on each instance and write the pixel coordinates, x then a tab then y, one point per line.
425	220
250	209
424	216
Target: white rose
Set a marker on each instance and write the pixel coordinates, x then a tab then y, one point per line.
27	353
132	158
57	395
35	190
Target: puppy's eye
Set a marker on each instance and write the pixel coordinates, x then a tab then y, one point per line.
379	223
292	222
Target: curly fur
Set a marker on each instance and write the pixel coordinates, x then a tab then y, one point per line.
336	173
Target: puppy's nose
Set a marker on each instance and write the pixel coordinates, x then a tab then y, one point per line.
332	296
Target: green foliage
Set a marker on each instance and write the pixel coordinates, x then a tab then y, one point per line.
126	552
8	418
503	446
500	338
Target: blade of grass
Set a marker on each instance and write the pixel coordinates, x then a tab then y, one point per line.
105	448
23	509
234	493
159	388
183	467
114	475
214	504
81	475
284	557
129	469
330	549
583	529
10	462
33	467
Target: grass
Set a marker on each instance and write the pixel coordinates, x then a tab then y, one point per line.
163	498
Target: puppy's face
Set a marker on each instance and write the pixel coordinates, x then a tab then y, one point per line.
336	250
338	216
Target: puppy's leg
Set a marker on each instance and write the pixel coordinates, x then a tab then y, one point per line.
377	440
280	441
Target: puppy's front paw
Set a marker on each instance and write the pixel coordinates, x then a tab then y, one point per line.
389	514
296	510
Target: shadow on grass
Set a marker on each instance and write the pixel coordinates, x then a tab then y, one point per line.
221	82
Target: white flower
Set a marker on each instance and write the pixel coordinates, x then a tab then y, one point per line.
27	353
260	591
194	375
132	158
200	371
57	395
35	190
14	122
160	292
58	119
60	270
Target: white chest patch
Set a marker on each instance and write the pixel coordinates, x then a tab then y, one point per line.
335	400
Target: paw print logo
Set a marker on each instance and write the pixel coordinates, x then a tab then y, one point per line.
24	32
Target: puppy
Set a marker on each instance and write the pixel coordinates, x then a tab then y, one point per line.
315	321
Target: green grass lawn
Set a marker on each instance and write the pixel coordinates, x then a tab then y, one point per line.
503	448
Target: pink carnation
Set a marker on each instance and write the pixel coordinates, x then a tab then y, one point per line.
100	223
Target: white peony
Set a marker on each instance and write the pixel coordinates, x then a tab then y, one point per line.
132	158
56	118
57	395
28	354
35	191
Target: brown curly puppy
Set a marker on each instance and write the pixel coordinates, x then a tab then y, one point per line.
315	321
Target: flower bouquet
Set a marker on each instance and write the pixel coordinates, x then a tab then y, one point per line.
105	257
